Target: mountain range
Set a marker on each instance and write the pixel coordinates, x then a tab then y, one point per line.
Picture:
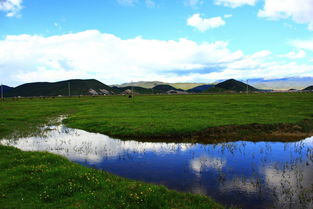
282	83
95	87
259	83
72	87
151	84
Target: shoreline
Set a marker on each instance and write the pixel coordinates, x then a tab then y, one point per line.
283	132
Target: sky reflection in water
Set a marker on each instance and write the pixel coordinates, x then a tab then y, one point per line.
244	174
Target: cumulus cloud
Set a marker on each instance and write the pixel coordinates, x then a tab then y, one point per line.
235	3
300	11
250	68
110	59
26	58
11	7
204	24
262	54
303	44
295	54
228	16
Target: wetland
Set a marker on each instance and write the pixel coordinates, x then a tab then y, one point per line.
242	174
244	151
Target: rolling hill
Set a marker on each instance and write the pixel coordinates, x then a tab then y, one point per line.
199	89
6	88
94	87
77	87
186	86
159	89
143	84
228	85
165	88
309	88
151	84
234	85
136	89
80	87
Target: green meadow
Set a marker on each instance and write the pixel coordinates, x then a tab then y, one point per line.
43	180
161	116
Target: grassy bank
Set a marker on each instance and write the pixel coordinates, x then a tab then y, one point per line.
43	180
195	117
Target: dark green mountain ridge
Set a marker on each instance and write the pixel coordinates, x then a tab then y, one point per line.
234	85
166	88
95	87
76	86
6	88
309	88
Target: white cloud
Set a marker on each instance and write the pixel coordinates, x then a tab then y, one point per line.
249	68
262	54
80	145
303	44
110	59
295	54
235	3
91	54
11	7
228	16
203	24
300	11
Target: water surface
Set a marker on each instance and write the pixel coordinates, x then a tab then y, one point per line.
243	174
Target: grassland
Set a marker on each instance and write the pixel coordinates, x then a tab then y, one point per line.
43	180
166	117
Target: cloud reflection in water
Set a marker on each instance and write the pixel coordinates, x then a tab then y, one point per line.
79	145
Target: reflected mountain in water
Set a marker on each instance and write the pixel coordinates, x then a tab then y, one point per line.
244	174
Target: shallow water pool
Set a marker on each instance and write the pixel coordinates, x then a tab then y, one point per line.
242	174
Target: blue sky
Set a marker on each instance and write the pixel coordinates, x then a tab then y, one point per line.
116	41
